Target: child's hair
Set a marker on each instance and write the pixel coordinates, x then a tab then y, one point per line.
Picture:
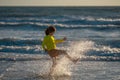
50	29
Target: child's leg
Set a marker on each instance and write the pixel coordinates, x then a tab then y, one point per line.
69	57
55	52
53	65
65	53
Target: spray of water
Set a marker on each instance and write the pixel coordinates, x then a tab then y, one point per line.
42	66
75	50
63	67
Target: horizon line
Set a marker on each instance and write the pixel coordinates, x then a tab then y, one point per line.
59	6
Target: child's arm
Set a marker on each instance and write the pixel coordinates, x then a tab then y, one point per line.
60	40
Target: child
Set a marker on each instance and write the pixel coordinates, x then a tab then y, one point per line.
49	45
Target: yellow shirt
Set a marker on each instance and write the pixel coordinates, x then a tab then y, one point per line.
49	42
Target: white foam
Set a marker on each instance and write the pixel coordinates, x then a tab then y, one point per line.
58	24
80	47
108	19
36	48
62	68
106	49
75	50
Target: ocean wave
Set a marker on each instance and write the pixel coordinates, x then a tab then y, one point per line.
22	49
16	45
102	53
19	15
66	20
108	19
22	57
91	51
63	18
107	49
19	42
87	50
91	18
95	47
59	25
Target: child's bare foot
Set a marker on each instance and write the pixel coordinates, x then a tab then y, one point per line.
75	60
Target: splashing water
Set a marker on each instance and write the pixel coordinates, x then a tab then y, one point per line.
75	50
62	68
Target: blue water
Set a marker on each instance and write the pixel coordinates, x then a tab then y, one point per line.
22	29
93	35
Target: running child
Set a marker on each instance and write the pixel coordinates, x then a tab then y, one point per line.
49	45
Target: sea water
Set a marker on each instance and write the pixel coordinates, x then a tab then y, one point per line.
93	35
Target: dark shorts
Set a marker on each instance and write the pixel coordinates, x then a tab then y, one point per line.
56	52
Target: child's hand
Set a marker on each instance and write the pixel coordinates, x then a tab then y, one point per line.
64	38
